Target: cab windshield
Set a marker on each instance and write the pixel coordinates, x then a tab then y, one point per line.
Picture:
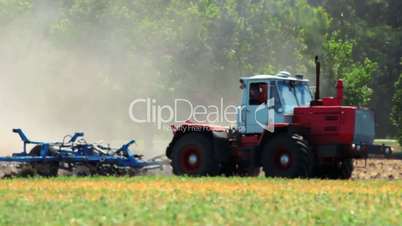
293	94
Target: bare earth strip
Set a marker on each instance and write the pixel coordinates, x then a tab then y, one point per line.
377	168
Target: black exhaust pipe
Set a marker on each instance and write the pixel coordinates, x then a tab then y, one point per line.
317	78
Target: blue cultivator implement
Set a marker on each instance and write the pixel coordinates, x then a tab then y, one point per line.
77	156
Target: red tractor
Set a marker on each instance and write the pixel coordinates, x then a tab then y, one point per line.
281	129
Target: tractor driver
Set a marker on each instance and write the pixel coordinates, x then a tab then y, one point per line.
258	93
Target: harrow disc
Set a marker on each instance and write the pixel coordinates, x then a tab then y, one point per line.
45	169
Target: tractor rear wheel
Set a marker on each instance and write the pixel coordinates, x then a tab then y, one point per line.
45	169
287	156
192	155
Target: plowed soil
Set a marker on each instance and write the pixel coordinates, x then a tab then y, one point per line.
377	168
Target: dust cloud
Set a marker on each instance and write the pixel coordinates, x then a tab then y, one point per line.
53	83
52	86
51	90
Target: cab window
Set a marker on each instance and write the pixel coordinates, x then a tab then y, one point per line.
258	93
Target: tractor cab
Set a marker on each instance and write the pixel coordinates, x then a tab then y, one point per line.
269	99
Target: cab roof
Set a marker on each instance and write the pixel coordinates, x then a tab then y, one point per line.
283	75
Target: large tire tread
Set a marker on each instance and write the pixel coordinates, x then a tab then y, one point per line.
208	165
299	149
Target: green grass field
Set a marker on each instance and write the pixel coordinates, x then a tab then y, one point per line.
199	201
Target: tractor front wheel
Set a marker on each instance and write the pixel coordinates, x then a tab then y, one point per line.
287	156
192	155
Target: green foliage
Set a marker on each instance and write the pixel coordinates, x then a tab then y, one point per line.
375	28
396	113
357	79
357	76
